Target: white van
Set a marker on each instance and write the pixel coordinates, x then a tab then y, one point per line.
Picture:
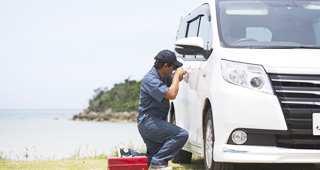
252	92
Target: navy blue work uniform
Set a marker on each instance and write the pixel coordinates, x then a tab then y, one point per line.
163	139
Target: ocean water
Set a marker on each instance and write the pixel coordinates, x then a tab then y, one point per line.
48	134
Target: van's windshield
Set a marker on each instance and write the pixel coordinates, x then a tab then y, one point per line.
269	23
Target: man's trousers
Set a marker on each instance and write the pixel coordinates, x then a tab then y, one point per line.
163	140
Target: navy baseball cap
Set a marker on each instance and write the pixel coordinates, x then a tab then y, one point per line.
167	56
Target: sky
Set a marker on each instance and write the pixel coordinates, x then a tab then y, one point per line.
54	53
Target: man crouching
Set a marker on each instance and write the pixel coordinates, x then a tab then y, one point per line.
163	139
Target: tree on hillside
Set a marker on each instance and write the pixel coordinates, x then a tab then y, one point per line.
122	97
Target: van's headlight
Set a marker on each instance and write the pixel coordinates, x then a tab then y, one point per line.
246	75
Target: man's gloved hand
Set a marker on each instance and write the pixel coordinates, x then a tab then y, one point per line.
180	72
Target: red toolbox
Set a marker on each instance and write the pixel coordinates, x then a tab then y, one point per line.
131	163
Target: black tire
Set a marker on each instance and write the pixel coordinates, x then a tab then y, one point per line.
182	157
208	136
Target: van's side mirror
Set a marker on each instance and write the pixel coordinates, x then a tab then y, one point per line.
191	46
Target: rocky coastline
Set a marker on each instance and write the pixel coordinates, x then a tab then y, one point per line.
107	115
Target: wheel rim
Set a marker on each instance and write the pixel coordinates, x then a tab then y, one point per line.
209	148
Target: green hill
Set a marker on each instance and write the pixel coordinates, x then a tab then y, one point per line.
122	97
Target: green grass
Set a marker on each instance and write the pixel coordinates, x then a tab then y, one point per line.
90	161
98	163
197	162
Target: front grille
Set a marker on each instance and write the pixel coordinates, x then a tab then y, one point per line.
299	96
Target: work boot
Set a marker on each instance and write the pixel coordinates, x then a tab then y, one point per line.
124	153
159	167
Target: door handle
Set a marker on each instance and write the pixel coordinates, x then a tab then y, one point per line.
188	69
188	72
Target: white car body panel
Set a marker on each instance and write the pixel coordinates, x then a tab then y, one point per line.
234	106
290	58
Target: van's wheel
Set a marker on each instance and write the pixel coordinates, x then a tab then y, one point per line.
182	157
208	137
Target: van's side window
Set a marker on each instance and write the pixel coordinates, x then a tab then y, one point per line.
193	27
197	24
205	32
193	31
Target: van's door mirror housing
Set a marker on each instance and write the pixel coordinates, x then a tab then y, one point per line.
191	46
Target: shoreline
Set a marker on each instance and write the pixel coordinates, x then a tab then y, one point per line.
106	116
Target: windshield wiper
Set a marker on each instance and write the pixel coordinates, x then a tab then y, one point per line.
284	47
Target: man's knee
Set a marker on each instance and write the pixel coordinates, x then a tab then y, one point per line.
184	134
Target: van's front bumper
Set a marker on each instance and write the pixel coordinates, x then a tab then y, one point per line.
237	107
263	154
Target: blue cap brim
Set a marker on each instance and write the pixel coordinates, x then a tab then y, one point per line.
177	63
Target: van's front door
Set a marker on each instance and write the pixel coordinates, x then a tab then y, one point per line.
192	101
